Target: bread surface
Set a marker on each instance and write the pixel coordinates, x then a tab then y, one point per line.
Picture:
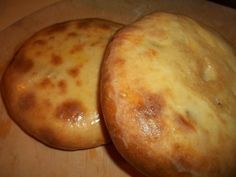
168	95
51	86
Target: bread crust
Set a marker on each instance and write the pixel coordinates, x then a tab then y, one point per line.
50	87
168	96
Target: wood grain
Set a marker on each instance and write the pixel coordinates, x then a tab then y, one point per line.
23	156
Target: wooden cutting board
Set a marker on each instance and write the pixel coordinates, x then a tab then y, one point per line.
23	156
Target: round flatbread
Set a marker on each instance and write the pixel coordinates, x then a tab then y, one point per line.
50	88
168	95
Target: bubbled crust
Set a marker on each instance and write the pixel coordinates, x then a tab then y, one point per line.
50	87
168	95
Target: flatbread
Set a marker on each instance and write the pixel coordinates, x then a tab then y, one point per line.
168	95
50	88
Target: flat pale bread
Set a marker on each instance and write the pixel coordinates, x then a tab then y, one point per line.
50	88
168	95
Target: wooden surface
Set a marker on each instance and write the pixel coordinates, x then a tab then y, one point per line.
13	10
23	156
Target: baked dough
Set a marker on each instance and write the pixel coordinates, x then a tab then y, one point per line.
168	95
50	88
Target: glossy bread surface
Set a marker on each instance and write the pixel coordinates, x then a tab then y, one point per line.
50	88
168	93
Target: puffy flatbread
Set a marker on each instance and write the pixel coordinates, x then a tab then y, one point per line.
168	95
50	88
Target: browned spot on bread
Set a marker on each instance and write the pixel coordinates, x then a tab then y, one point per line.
148	113
73	72
160	33
151	106
97	42
38	53
27	101
185	123
47	103
72	34
39	42
57	28
78	82
151	52
51	37
21	64
56	59
70	110
222	120
76	48
62	86
127	34
119	62
46	83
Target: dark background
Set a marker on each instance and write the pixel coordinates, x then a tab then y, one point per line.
229	3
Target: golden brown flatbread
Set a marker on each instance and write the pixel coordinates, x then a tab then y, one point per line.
50	88
168	94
